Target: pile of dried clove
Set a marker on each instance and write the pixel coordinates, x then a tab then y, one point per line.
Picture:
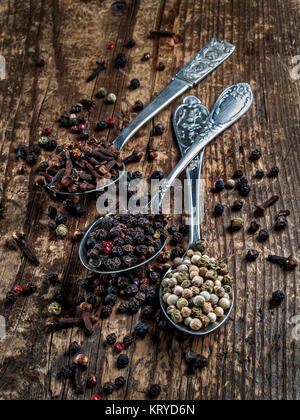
78	168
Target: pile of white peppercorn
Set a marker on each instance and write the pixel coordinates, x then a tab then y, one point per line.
198	291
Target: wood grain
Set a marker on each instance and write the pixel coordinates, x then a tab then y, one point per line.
254	356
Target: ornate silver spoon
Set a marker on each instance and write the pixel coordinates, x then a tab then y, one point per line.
231	105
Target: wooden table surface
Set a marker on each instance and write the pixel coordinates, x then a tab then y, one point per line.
254	356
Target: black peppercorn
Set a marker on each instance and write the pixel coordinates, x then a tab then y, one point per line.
252	255
101	125
237	205
154	391
122	361
161	66
32	159
146	56
92	300
255	155
219	186
277	298
177	238
43	166
131	290
281	223
21	151
128	340
106	311
120	61
245	190
259	174
74	347
273	172
110	299
177	252
11	297
123	308
157	175
57	297
147	312
263	235
219	210
68	205
237	174
87	284
141	330
200	362
52	278
120	382
65	372
159	129
111	339
130	44
138	106
133	306
30	289
108	388
51	145
254	226
134	84
61	219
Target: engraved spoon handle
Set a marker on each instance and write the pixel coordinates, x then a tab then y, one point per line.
231	105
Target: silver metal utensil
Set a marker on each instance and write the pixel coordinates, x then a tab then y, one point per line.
204	62
230	106
188	119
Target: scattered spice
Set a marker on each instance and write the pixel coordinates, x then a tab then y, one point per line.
277	298
120	61
230	184
130	44
111	339
154	391
238	174
255	155
280	223
161	66
134	157
219	210
263	235
152	153
108	388
96	398
141	330
138	106
237	224
120	382
289	263
260	209
19	238
237	205
134	84
259	174
122	361
100	67
273	172
252	255
219	186
11	297
74	348
146	57
61	231
111	46
80	363
161	34
111	98
92	381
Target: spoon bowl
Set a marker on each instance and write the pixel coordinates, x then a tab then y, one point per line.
204	331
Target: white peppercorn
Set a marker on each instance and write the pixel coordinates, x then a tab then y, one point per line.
181	303
224	303
187	294
186	312
219	311
206	295
207	308
195	259
195	290
197	281
220	292
196	324
165	297
178	290
199	300
182	267
172	300
212	317
187	321
172	282
213	299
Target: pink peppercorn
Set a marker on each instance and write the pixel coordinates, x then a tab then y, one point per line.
92	381
22	170
96	398
18	290
47	131
119	347
74	129
81	127
111	122
107	247
111	46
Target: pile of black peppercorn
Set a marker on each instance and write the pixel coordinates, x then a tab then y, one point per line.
126	240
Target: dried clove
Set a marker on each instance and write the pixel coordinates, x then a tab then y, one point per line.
289	263
19	237
151	151
161	34
100	67
134	157
81	363
86	313
63	323
260	209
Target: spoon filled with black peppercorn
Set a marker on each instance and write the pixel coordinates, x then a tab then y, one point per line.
118	243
